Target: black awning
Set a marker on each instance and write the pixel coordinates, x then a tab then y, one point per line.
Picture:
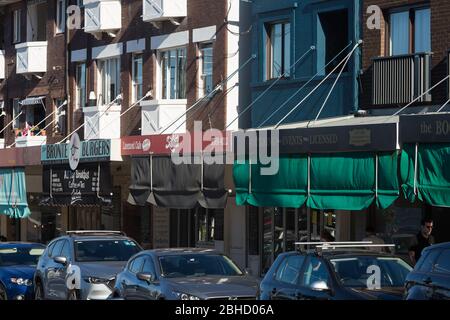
159	181
89	185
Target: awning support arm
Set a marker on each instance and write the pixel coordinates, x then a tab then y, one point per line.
416	154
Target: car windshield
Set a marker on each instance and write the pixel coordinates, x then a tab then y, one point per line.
371	271
105	250
186	265
14	256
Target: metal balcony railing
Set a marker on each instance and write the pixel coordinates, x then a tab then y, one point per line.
401	79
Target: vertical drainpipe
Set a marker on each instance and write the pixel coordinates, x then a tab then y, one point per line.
67	90
357	25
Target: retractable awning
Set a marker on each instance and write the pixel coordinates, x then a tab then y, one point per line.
13	194
343	181
159	181
425	172
32	100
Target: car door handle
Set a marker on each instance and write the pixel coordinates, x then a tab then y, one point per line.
427	280
274	290
298	295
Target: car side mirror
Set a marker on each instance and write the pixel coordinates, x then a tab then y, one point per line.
148	277
320	286
60	260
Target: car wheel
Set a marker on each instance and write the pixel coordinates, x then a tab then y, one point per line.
3	295
38	292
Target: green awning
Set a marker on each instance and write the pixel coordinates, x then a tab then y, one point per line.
347	181
431	182
279	190
340	181
13	195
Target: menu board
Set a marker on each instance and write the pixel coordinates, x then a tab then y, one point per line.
89	184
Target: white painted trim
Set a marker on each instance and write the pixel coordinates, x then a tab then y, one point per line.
31	44
204	34
162	102
171	40
78	55
108	51
136	45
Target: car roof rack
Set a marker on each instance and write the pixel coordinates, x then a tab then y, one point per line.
95	233
323	246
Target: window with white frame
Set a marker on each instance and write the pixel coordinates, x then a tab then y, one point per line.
109	80
278	50
137	77
80	81
206	69
60	16
16	25
410	31
173	73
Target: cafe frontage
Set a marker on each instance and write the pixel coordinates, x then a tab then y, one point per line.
78	183
192	203
343	175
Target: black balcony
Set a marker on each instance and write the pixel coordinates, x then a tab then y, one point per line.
401	79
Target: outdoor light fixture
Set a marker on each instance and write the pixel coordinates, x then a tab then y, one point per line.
92	99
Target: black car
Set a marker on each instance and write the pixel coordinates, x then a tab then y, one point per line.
335	275
430	279
183	274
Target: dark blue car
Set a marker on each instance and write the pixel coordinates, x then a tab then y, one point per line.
17	266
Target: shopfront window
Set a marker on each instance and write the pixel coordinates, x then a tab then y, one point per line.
44	223
281	228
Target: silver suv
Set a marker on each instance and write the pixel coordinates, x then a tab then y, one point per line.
82	265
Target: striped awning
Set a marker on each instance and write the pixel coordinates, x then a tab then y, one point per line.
32	100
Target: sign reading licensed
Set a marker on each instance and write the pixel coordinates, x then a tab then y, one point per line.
91	151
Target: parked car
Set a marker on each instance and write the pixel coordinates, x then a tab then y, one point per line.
17	265
183	274
430	279
335	275
82	265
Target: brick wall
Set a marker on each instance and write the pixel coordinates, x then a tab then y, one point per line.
52	84
201	13
375	40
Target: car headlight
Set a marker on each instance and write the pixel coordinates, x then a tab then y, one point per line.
95	280
185	296
22	282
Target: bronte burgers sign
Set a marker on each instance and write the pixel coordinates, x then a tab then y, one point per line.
76	152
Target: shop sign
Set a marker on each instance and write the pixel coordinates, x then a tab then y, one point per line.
76	152
425	128
373	137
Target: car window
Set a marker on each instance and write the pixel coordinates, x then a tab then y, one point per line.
50	248
57	248
148	266
65	252
185	265
105	250
443	262
136	265
289	271
428	261
16	256
356	271
315	271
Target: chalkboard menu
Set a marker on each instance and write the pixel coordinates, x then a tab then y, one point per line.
89	184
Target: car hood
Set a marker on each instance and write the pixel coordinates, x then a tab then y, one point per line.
103	270
395	293
209	287
20	271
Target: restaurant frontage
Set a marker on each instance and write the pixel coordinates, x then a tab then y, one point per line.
341	175
191	204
